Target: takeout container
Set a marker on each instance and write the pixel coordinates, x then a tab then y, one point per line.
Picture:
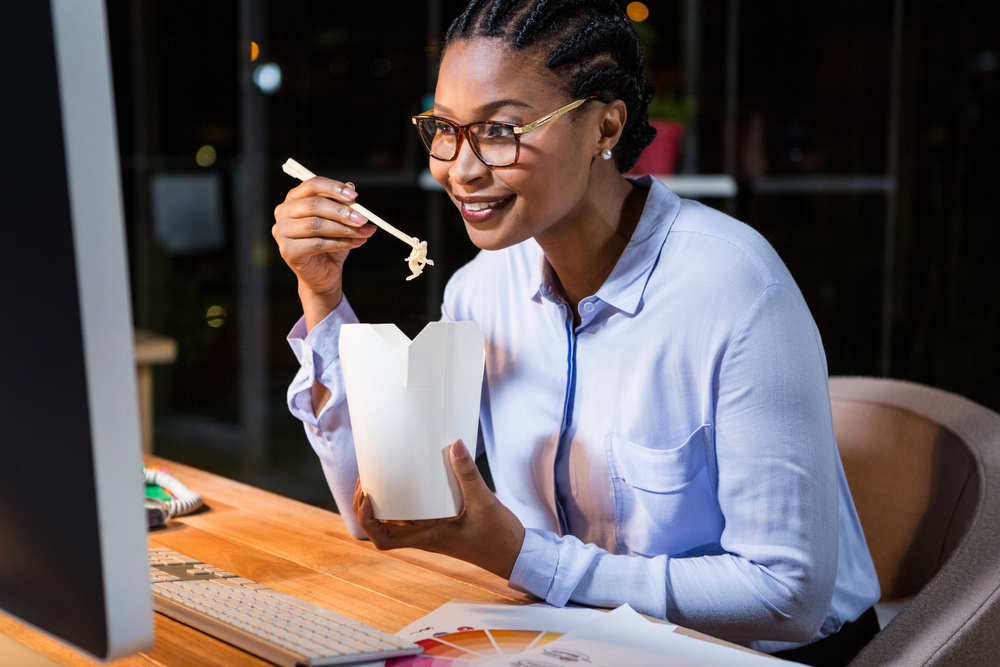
409	401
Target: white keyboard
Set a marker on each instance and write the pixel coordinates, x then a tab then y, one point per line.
276	627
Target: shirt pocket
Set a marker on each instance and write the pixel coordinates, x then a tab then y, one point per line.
665	502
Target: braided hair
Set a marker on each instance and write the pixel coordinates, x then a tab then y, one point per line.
590	42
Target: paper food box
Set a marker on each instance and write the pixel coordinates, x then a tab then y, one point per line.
409	401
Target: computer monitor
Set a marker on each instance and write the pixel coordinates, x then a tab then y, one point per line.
73	552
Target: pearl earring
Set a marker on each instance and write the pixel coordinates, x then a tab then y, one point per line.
606	154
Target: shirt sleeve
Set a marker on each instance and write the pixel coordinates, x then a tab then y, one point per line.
329	433
776	464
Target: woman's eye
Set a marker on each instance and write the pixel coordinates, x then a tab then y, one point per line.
497	131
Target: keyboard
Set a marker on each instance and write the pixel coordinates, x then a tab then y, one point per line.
273	626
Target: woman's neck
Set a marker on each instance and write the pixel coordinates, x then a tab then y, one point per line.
584	249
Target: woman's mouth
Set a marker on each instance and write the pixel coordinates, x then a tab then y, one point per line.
478	210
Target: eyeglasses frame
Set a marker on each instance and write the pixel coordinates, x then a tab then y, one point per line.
463	132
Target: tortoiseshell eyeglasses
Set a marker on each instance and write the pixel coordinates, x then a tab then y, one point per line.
495	143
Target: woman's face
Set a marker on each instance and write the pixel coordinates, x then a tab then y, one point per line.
480	79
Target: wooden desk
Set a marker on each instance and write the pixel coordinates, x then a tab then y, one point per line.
297	549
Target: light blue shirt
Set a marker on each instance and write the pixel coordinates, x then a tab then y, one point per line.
674	451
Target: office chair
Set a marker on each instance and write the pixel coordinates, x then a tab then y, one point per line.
923	466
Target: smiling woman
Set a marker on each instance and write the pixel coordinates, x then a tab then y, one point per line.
655	407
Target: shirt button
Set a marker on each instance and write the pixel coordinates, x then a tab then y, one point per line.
588	307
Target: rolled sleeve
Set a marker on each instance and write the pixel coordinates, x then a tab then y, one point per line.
329	434
564	569
319	358
536	565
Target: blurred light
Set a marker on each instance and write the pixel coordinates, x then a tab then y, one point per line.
427	102
267	77
254	51
987	61
340	66
637	11
380	67
205	156
216	316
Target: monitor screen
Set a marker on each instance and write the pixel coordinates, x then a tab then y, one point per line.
72	528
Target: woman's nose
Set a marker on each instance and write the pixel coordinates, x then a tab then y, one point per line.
467	166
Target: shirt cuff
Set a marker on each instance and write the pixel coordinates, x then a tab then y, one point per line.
536	565
319	357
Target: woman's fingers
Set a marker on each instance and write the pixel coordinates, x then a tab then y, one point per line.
308	211
471	482
316	210
295	251
386	535
323	187
304	228
307	228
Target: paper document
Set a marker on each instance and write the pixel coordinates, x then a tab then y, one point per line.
625	629
470	634
588	653
409	401
459	615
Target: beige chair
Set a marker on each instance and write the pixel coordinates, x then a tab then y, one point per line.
924	470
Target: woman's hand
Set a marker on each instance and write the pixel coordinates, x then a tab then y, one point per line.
485	533
315	229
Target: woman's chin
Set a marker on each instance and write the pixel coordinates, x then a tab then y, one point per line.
486	239
493	237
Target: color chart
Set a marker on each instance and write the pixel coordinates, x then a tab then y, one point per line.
469	647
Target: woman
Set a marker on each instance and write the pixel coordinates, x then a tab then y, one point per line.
655	409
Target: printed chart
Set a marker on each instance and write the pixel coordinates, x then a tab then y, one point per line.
472	647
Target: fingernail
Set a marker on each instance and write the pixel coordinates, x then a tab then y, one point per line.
358	219
460	449
347	192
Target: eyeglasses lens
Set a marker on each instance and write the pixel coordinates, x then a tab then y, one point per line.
440	139
497	144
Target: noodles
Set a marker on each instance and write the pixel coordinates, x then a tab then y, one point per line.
418	259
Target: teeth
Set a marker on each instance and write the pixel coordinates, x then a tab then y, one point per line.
479	206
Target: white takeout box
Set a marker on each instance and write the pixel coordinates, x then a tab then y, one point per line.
409	401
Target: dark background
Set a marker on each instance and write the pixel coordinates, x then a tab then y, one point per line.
872	177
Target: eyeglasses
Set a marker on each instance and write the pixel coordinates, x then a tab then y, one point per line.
496	144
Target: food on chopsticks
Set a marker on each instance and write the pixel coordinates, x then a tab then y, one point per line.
418	255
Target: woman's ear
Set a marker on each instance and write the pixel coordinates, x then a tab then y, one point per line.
610	125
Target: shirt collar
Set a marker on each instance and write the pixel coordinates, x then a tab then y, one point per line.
540	282
623	289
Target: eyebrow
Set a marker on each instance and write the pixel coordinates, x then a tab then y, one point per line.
491	106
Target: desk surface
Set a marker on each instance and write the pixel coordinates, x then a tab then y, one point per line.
297	549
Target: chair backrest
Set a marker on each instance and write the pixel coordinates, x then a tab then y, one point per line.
914	485
923	466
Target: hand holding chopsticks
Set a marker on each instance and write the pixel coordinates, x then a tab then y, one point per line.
418	255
